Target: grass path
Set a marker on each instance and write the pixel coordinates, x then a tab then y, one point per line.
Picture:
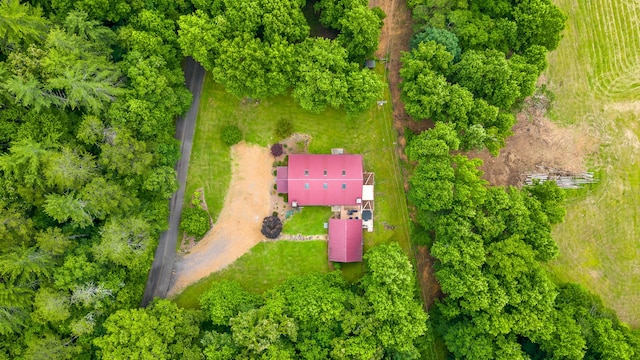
595	75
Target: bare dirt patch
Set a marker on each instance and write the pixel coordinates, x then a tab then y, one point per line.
537	142
296	143
238	227
427	277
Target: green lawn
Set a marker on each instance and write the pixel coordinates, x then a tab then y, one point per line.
309	221
210	163
595	75
265	266
370	134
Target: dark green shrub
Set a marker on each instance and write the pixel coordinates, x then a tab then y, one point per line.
225	300
284	162
380	14
284	128
195	199
441	36
195	222
231	134
419	236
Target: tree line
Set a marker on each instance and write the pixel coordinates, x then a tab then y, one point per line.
505	44
263	48
471	64
314	316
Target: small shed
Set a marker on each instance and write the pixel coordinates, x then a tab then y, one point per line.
345	240
371	64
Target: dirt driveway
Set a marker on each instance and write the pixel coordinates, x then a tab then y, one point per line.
238	227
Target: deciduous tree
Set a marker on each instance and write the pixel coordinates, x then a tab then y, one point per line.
226	300
360	30
161	331
389	287
488	75
322	75
124	242
332	11
540	22
364	88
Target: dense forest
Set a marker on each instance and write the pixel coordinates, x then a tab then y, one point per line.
315	316
471	63
90	93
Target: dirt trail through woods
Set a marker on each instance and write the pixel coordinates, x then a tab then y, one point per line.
238	227
396	33
394	39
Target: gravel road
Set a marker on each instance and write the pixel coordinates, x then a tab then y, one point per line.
160	274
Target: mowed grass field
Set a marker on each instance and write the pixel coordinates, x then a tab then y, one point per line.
595	76
266	265
370	134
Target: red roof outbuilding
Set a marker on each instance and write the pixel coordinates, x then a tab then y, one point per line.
345	240
324	179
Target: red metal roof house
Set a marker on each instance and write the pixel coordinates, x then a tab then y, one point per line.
314	180
327	180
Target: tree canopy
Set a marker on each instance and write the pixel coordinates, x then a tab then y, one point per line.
262	48
490	244
160	331
86	165
470	65
471	62
319	316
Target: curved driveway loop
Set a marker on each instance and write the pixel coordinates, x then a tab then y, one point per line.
238	226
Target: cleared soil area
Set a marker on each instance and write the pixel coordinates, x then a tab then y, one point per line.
238	227
427	277
537	143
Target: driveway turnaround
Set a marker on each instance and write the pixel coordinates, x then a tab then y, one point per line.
237	228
